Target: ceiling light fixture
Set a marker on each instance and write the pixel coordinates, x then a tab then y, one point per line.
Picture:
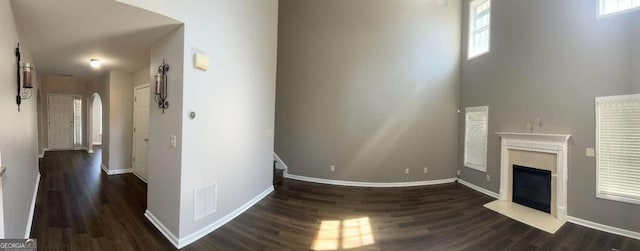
95	63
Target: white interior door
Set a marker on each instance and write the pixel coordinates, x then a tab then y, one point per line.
60	110
141	131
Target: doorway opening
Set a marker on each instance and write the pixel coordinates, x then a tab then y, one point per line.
95	122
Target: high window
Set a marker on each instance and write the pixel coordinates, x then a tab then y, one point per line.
608	7
479	27
618	148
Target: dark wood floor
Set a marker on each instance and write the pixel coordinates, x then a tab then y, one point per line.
80	208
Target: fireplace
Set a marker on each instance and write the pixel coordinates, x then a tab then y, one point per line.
532	188
533	173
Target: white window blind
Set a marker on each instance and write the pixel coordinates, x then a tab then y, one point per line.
77	121
475	137
618	148
608	7
479	27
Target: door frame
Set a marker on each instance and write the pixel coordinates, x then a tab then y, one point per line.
73	147
135	119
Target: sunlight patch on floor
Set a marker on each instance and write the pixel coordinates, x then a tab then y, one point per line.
350	233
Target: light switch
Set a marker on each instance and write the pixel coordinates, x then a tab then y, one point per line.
172	141
591	152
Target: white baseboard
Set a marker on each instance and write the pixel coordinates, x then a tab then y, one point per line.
97	143
286	168
27	231
139	177
604	228
215	225
479	189
44	150
114	172
369	184
165	231
89	150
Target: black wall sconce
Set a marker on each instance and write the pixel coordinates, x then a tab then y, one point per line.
27	83
160	81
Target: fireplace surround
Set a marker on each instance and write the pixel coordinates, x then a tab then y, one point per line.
545	153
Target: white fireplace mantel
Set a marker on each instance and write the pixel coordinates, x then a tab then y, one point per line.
537	142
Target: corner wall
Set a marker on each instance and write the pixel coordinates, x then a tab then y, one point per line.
550	59
120	120
230	141
370	86
164	163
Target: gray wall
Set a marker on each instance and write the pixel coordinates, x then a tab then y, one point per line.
550	59
18	132
370	86
103	89
164	170
143	77
634	23
230	141
120	120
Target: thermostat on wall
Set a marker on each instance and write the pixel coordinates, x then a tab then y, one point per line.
201	61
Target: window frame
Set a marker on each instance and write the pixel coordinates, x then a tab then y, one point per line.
598	102
600	4
482	168
471	53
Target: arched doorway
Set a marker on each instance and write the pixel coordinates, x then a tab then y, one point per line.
95	121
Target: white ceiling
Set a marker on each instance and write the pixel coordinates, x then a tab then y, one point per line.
63	35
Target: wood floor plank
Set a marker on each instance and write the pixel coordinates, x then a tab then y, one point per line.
79	207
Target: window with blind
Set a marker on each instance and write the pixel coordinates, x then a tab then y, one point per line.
475	137
479	27
609	7
77	121
618	148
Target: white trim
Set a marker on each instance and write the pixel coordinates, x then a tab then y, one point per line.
44	150
88	150
215	225
97	143
604	228
543	143
139	177
27	232
165	231
479	189
473	4
114	172
286	168
134	131
369	184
